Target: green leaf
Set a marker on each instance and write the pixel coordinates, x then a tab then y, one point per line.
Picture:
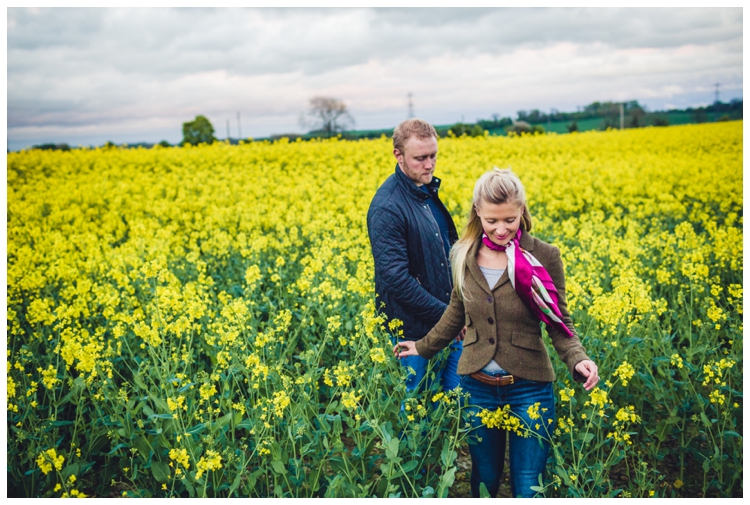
391	448
144	449
235	484
246	424
196	429
730	433
139	382
60	423
447	455
705	420
160	471
428	492
662	427
189	487
186	387
69	470
446	481
160	416
223	421
159	402
409	466
116	448
483	491
278	467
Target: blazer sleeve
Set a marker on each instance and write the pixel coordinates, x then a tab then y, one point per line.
389	250
570	350
443	333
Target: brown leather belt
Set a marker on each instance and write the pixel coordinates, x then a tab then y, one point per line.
501	380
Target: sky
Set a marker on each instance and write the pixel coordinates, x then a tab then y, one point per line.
84	76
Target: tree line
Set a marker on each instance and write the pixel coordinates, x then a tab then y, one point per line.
328	117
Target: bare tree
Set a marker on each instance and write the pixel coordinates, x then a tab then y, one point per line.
327	115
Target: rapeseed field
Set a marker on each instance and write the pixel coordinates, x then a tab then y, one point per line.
201	321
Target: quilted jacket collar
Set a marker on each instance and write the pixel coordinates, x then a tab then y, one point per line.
412	189
527	242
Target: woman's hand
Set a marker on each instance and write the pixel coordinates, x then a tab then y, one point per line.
461	335
411	349
588	369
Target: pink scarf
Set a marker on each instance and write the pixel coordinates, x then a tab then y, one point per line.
532	282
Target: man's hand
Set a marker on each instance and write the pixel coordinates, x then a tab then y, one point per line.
588	369
461	335
411	349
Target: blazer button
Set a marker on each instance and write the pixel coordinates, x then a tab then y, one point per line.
489	299
492	341
491	321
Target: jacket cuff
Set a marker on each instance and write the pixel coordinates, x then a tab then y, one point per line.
573	361
424	350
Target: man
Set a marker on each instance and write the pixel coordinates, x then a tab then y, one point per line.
411	234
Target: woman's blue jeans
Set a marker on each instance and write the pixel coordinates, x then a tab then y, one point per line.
445	370
528	455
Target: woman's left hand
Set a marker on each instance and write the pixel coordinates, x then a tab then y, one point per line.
588	369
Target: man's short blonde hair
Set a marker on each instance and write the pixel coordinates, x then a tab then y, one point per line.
412	128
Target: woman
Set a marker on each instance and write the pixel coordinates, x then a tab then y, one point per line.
505	282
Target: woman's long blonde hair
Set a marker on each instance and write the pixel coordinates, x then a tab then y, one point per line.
496	187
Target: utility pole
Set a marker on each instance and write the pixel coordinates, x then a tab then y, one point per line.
227	129
717	91
411	108
239	126
622	116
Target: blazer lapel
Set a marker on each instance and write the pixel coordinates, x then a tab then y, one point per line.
502	280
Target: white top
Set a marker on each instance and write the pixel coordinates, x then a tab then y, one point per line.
492	275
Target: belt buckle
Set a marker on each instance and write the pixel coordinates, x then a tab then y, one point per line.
512	379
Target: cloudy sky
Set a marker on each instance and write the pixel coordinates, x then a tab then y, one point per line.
85	76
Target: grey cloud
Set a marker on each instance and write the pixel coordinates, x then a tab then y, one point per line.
76	67
257	41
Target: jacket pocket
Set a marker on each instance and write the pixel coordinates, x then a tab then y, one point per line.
471	332
529	341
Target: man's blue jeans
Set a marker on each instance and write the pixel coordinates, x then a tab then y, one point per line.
528	455
445	369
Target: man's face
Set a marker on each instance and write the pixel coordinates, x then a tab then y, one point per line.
418	159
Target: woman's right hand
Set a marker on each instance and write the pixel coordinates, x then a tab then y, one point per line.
409	346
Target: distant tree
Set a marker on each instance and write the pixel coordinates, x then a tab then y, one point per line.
197	131
661	120
521	127
637	116
572	127
535	117
52	147
326	115
495	123
164	143
537	128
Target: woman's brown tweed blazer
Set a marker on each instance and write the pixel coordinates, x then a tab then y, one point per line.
500	326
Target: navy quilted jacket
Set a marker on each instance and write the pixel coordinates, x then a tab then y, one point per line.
412	274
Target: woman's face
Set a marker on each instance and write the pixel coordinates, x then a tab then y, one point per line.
500	221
